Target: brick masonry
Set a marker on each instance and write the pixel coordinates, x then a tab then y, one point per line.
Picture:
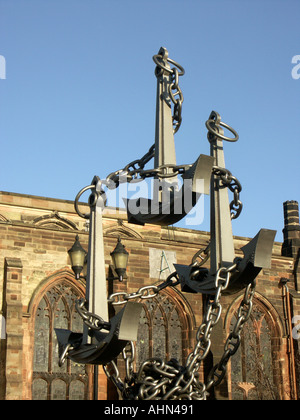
35	234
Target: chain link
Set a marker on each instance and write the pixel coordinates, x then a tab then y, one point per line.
175	92
112	372
212	316
91	320
198	260
234	185
203	254
134	172
177	99
146	292
157	379
64	354
130	171
232	343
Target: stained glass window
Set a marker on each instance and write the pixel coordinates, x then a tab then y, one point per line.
160	330
56	309
40	389
76	390
252	375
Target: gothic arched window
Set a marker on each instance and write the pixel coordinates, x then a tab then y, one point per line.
56	309
160	330
252	371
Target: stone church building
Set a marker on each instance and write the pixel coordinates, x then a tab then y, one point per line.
38	291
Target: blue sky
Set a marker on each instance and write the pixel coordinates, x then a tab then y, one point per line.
78	99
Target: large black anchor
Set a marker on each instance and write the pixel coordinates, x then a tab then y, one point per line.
103	346
257	253
103	338
169	203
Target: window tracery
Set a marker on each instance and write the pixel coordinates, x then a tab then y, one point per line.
252	367
56	309
160	330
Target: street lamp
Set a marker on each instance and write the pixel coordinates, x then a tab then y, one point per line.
78	257
120	259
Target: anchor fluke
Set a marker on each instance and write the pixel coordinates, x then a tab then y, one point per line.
175	205
257	255
259	249
104	346
200	170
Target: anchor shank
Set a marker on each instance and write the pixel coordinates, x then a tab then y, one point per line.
96	293
164	137
222	247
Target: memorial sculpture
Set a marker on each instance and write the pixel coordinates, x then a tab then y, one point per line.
105	338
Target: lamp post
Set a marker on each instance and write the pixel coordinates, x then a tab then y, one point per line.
78	257
120	259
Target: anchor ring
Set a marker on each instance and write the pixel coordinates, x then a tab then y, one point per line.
169	60
97	193
221	136
86	215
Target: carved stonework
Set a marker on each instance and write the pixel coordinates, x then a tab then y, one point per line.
245	387
122	231
55	220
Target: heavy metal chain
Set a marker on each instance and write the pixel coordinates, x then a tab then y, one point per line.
198	260
146	292
234	185
236	207
158	379
177	99
135	171
175	92
211	318
232	343
90	319
131	171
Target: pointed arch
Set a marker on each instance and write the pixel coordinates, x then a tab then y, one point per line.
265	305
52	305
165	323
254	372
64	275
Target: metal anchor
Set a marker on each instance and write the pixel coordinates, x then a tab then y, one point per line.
95	346
104	346
157	379
169	204
257	253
